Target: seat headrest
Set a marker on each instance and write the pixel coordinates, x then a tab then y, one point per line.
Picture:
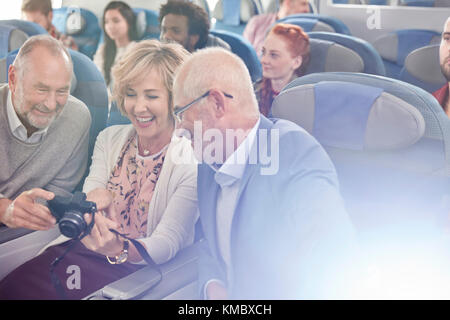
147	23
395	46
11	39
372	60
75	23
141	23
310	24
423	64
226	11
328	56
351	116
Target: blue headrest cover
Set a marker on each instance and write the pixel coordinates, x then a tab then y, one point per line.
231	15
341	113
407	44
306	24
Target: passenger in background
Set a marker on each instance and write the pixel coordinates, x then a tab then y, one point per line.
442	95
44	134
285	56
274	228
258	26
119	27
188	24
41	12
140	187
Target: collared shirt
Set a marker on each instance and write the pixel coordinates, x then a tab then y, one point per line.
18	129
441	95
228	177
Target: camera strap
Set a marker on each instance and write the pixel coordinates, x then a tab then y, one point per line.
54	278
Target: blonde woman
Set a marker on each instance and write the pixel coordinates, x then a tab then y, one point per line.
139	189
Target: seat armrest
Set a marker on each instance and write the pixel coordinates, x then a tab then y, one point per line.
177	273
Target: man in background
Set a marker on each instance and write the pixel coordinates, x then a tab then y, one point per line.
41	12
188	24
256	29
444	60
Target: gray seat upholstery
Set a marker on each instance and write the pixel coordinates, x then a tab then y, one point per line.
395	46
422	69
11	38
328	56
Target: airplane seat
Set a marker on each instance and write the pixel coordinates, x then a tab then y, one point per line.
395	46
30	28
308	25
373	63
329	56
229	19
333	24
417	3
241	47
81	24
422	69
147	23
11	39
390	144
275	4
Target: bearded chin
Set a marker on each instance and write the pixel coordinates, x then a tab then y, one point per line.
445	71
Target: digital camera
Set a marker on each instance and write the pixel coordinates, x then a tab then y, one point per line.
69	212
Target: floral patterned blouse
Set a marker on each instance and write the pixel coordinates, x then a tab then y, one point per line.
132	183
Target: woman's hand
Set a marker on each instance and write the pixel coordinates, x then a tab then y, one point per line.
101	239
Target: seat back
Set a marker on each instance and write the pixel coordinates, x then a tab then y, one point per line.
417	3
274	5
147	24
30	28
423	70
373	63
308	24
333	23
240	46
395	46
11	39
81	24
389	142
230	19
329	56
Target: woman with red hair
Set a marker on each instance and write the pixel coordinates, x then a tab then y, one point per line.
285	55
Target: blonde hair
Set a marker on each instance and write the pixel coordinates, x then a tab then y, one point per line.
146	55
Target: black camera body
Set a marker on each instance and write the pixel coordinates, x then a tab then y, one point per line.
69	212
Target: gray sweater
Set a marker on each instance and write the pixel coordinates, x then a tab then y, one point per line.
56	163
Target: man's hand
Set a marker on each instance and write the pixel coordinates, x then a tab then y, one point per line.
25	212
216	291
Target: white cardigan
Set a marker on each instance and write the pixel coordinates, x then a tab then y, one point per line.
173	207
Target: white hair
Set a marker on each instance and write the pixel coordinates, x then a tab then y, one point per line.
216	67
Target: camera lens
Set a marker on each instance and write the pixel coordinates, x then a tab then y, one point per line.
72	224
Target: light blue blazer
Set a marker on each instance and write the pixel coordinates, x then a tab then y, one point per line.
291	237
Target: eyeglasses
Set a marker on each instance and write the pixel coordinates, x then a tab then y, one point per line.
178	112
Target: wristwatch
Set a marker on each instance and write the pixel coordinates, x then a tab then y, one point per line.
123	255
